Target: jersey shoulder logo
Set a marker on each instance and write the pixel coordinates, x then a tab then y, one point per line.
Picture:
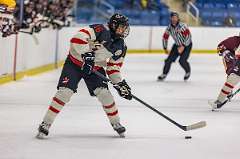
98	28
118	53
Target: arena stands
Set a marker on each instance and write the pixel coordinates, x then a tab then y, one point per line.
154	12
219	12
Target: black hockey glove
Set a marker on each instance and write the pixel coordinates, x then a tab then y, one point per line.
88	62
123	89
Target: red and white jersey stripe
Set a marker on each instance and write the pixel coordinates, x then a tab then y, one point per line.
113	70
85	41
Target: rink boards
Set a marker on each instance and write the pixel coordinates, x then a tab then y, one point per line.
21	55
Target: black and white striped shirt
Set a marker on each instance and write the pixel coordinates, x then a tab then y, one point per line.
180	33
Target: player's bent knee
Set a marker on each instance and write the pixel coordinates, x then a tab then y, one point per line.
104	95
64	94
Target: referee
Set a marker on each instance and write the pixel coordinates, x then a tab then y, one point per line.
182	46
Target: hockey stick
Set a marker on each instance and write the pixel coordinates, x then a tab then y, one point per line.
229	98
232	95
183	127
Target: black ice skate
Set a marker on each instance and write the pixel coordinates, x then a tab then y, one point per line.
186	76
162	77
43	130
119	129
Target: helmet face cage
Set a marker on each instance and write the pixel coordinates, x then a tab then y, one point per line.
113	24
221	49
126	32
118	20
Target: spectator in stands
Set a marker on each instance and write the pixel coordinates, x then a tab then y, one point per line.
7	23
9	4
185	3
144	4
229	21
153	5
39	12
134	4
150	4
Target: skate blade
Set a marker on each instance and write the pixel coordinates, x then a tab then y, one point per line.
122	135
40	136
160	80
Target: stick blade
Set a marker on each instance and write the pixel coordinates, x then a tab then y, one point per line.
198	125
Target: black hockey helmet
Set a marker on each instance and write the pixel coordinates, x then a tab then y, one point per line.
119	20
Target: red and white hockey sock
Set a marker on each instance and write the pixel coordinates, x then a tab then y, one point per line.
112	113
109	106
231	82
62	96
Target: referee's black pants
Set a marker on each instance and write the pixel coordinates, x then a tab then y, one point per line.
183	58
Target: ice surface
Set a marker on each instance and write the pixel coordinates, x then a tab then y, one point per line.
82	131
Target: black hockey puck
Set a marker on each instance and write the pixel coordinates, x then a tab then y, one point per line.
188	137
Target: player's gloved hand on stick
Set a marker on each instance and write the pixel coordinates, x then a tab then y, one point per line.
123	89
88	62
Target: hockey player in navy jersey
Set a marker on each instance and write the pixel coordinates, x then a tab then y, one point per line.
99	48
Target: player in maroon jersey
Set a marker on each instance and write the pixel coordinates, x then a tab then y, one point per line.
229	49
